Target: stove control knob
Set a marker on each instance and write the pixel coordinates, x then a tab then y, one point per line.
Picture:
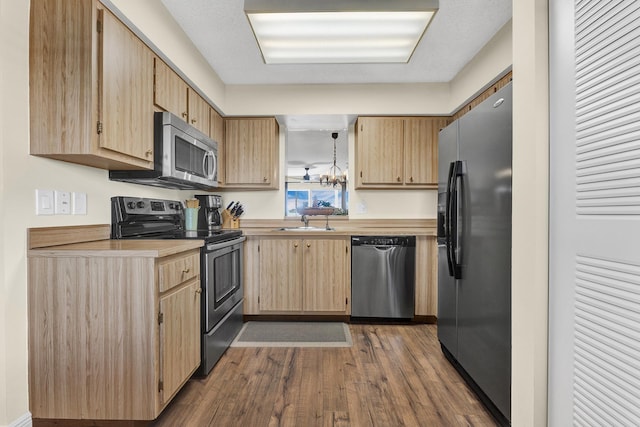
171	206
131	205
140	204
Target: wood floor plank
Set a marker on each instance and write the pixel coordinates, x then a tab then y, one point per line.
310	404
333	380
287	391
393	375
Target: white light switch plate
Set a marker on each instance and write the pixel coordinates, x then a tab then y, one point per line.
79	203
44	202
62	202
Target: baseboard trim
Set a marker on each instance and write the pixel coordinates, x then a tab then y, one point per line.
296	318
23	421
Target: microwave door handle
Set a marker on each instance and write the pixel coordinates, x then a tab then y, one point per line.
205	168
213	165
209	168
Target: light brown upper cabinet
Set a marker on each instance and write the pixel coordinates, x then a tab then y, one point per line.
251	153
421	149
397	152
216	131
216	127
199	112
91	87
170	91
173	94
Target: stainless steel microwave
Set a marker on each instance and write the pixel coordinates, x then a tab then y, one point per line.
184	157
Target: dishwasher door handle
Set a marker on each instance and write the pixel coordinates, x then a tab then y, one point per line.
382	247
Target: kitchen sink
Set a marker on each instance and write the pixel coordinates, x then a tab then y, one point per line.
302	228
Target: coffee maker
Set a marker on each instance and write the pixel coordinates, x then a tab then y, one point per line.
209	214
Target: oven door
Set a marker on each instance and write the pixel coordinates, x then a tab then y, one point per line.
221	280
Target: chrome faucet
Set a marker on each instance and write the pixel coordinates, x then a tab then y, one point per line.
305	219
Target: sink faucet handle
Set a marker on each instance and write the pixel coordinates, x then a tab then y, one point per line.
305	219
327	224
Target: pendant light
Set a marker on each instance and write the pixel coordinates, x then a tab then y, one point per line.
335	175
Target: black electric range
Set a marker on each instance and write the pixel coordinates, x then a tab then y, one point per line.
143	218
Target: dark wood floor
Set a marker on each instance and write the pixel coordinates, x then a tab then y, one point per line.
394	375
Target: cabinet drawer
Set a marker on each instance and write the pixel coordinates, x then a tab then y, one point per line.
178	269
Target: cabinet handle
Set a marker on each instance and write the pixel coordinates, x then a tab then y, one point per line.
184	115
199	291
148	153
264	179
295	245
186	270
411	179
399	179
193	121
308	245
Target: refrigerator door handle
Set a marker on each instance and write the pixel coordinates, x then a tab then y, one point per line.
456	266
447	220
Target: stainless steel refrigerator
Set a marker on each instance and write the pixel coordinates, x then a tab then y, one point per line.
474	248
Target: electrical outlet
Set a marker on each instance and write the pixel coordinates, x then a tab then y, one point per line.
62	202
44	202
79	203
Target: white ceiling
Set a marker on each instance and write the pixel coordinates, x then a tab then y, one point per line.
221	32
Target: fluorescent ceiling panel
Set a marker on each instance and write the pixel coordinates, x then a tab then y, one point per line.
330	37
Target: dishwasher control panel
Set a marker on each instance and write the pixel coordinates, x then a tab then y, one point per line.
407	241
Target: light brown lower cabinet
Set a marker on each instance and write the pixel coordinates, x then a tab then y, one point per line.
302	276
111	337
426	302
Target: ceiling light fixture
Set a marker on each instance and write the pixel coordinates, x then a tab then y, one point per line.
338	31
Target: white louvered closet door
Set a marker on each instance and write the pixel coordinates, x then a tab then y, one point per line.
594	319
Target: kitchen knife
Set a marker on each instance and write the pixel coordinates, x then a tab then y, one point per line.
235	208
230	204
238	213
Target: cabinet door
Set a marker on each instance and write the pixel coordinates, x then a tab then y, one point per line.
126	102
251	153
198	112
325	275
421	149
170	91
216	130
216	127
179	337
280	275
380	153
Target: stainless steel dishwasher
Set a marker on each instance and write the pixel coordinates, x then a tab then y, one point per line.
383	276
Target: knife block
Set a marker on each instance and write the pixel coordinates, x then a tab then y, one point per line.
228	221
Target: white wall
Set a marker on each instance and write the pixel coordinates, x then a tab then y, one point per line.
384	99
21	173
3	291
493	60
530	252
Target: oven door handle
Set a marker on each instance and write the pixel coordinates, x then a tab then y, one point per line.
216	246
